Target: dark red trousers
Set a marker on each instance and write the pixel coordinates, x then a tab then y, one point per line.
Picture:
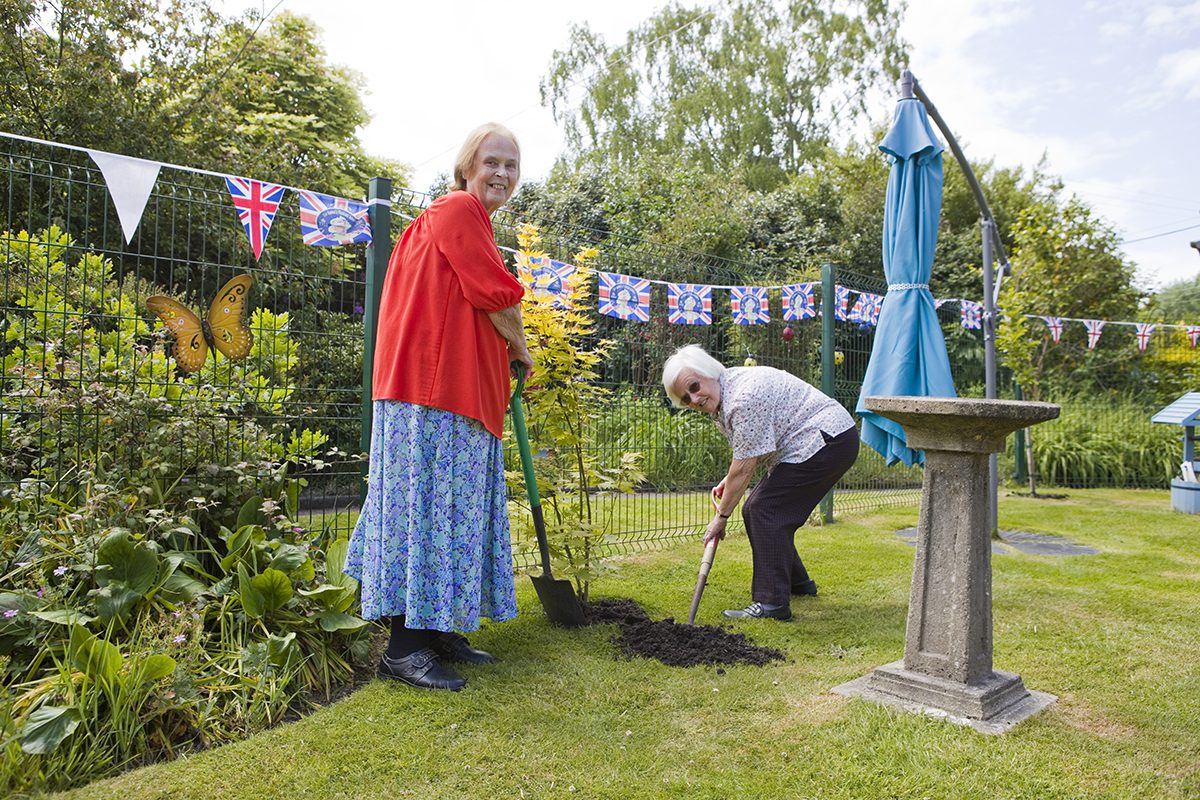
780	504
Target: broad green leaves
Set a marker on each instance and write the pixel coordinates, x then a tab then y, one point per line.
47	726
263	593
99	660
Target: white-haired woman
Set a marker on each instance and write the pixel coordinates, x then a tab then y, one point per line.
431	547
807	442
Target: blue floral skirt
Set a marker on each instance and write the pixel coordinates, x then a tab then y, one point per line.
432	540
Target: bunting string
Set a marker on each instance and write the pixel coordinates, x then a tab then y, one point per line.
628	297
330	221
326	221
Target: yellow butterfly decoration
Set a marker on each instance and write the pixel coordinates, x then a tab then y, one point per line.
225	329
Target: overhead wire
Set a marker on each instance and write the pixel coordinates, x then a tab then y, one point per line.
1160	235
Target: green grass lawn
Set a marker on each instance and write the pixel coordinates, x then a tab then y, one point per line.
1114	636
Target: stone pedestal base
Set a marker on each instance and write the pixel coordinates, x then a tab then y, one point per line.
992	706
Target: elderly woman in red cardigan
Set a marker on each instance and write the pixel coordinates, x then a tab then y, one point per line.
431	548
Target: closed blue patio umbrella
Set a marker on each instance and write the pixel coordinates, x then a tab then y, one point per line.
909	355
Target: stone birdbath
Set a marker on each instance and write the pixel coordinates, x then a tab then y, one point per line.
947	665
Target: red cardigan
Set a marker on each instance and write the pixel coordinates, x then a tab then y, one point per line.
436	345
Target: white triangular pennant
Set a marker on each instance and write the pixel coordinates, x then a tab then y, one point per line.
129	182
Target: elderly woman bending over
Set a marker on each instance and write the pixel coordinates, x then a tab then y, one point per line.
807	442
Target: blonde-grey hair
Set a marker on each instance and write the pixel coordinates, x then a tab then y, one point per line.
691	357
470	149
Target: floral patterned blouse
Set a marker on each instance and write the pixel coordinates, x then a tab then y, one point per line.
766	412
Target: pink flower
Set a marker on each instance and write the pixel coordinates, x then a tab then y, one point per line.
181	638
60	571
12	612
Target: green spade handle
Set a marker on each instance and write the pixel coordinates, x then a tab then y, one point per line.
535	501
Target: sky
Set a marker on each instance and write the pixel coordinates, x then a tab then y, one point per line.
1107	91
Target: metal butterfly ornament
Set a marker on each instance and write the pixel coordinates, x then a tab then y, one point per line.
224	329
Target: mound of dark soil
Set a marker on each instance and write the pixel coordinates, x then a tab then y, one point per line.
675	644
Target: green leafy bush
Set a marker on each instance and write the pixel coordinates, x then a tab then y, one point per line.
158	593
562	407
680	450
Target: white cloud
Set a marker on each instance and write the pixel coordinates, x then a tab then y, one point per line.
1172	20
1182	69
1115	30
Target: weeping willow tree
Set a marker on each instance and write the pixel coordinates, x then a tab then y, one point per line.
756	87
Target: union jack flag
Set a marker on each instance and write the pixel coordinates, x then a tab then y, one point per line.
841	303
972	314
866	309
546	278
327	221
749	305
1144	330
798	302
256	204
872	309
1055	325
1193	333
1094	326
624	297
689	304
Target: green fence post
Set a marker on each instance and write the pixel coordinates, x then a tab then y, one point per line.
379	196
1020	468
828	303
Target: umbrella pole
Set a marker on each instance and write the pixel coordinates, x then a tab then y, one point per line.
989	365
908	82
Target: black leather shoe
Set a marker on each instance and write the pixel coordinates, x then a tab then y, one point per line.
455	647
760	611
422	670
806	589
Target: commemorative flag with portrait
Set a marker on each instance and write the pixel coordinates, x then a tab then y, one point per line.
749	305
866	309
798	302
327	221
872	305
546	278
841	304
689	304
972	314
256	203
623	296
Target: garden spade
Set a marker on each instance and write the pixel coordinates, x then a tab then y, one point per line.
702	579
557	596
705	565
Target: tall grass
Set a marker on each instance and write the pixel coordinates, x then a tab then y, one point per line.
1106	443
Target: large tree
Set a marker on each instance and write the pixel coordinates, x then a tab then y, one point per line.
755	88
174	80
1177	302
1066	263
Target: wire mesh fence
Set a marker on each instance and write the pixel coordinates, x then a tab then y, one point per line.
89	397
